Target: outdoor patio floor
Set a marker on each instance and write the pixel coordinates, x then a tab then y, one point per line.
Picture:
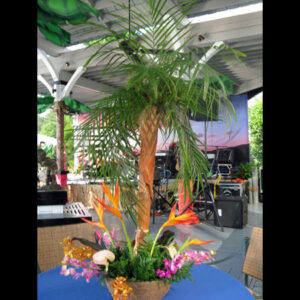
231	241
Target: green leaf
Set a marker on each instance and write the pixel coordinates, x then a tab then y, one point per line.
88	243
166	238
238	53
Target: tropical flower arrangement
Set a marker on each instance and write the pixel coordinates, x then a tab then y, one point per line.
161	259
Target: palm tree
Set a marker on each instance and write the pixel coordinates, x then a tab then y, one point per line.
162	85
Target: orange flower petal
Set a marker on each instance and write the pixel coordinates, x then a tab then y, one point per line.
108	193
198	242
97	224
112	210
171	216
99	210
117	192
178	220
170	223
172	212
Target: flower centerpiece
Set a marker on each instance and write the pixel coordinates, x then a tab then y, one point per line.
145	273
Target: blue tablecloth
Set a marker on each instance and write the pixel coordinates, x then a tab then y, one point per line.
210	284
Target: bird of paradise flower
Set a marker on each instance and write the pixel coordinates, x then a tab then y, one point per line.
99	207
172	221
114	199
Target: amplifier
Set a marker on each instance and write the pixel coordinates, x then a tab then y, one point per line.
224	169
232	211
72	214
50	209
229	189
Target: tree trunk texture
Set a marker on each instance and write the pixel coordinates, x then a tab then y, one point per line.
59	136
148	126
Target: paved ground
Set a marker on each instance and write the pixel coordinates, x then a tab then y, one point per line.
231	241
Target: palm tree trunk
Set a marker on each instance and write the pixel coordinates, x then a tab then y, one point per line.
148	127
59	136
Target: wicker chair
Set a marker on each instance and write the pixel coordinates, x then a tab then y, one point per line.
49	250
253	261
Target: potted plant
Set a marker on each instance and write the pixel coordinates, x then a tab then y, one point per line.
147	274
162	85
244	171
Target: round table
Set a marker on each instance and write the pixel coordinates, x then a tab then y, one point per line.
210	284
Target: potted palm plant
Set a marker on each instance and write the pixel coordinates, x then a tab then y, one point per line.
162	84
147	274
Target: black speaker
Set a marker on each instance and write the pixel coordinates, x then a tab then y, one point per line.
51	197
166	160
157	174
160	161
224	156
232	211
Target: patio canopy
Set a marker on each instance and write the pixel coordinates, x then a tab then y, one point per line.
241	32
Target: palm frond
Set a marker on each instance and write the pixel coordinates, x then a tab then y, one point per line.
193	163
157	75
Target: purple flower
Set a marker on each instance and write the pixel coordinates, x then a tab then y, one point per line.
178	260
72	271
94	266
66	272
168	274
160	273
90	269
88	274
77	263
106	239
172	266
113	235
98	236
197	257
77	275
167	263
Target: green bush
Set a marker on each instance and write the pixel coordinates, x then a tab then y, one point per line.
256	132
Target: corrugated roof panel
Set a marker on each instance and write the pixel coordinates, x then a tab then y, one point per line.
243	33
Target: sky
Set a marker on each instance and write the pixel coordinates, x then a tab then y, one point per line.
251	101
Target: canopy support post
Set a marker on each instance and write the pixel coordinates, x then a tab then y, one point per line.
46	84
59	91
